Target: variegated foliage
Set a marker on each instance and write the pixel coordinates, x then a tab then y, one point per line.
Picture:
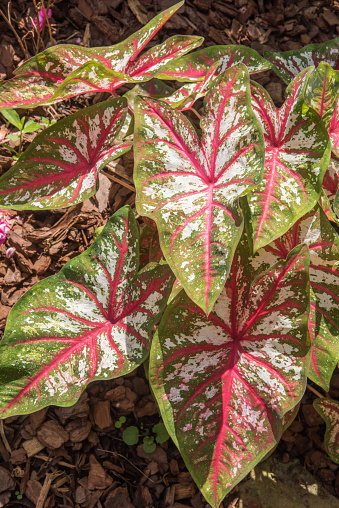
329	411
67	70
322	91
321	94
61	166
288	64
190	187
314	230
195	67
91	321
297	155
224	382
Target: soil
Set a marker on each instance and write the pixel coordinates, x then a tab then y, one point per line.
75	457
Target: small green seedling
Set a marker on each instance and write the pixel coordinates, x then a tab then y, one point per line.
23	127
132	434
161	434
18	494
119	423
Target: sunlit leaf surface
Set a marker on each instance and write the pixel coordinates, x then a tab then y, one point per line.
224	382
93	320
190	187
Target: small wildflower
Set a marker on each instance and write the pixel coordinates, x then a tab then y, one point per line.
5	225
9	252
42	17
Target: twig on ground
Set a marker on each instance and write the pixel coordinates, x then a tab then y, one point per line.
49	3
45	488
9	23
117	180
37	28
4	438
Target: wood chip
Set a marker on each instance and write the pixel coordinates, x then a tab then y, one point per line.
33	446
97	478
6	481
33	490
119	498
52	435
78	430
138	10
102	414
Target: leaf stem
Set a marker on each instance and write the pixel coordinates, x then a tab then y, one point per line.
318	394
196	113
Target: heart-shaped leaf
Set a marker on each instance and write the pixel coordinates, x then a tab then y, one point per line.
94	76
61	165
329	411
37	80
195	66
314	230
93	320
224	382
190	187
289	63
297	155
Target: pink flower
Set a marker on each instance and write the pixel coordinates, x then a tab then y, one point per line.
5	225
9	252
42	17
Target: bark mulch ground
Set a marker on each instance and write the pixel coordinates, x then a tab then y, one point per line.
75	457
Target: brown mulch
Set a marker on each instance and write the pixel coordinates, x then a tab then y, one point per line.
75	457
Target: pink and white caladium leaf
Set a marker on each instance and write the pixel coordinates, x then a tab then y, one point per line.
223	382
61	166
94	76
153	88
93	320
333	131
297	155
190	187
195	66
329	411
322	91
38	79
185	97
316	231
289	63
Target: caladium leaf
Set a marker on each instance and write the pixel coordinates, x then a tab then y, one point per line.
329	411
61	165
152	88
38	79
333	131
94	76
224	382
93	320
322	91
314	230
330	181
289	63
297	155
195	66
190	187
185	97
